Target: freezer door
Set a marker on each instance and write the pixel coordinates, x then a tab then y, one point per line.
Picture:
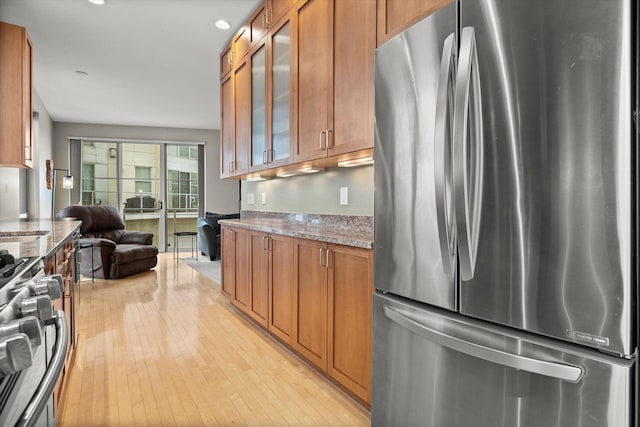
415	238
554	251
440	369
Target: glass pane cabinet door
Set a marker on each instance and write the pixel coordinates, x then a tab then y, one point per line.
258	108
281	68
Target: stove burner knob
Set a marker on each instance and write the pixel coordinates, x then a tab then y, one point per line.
30	326
51	285
15	354
39	307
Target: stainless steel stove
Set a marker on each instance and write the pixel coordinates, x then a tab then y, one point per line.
33	341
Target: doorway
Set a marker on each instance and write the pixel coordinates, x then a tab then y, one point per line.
155	186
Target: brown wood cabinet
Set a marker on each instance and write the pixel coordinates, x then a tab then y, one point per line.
395	16
272	92
314	99
226	63
281	287
236	119
271	283
313	296
259	277
63	262
227	142
349	326
310	290
276	9
335	46
16	101
235	261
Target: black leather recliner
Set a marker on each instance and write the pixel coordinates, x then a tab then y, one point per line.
117	252
209	233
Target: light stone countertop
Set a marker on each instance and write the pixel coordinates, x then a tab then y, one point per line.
23	238
305	230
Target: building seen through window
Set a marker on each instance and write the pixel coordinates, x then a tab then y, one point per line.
154	186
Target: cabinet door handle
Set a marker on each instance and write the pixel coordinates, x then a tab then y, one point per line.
230	58
321	257
330	138
233	235
265	244
265	160
269	155
328	262
323	143
270	243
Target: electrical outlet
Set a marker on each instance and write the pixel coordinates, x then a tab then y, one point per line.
250	199
344	195
264	198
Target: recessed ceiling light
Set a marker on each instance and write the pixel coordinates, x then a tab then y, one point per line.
220	23
82	73
97	1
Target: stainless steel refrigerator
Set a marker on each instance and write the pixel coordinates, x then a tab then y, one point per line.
506	249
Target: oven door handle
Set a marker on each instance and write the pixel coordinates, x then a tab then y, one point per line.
48	383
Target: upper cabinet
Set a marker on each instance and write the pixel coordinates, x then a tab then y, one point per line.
395	16
302	85
16	105
272	94
226	63
227	142
335	46
276	9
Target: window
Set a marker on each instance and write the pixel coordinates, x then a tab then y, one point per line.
143	173
88	183
182	189
99	174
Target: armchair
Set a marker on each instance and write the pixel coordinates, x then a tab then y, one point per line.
209	233
117	252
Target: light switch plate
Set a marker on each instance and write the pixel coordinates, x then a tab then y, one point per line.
264	198
250	199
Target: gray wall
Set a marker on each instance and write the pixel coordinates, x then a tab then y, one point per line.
220	196
38	197
315	193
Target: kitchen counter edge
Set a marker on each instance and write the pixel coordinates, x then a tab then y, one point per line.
303	231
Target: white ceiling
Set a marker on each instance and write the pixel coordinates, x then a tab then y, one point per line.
150	62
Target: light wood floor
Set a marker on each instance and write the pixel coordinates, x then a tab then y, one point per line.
164	348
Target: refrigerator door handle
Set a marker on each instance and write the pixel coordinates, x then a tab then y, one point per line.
559	371
442	157
467	153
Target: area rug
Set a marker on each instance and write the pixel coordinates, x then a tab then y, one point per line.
211	269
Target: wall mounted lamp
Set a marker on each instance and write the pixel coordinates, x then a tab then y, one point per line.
67	183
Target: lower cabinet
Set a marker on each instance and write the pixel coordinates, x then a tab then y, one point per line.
235	258
334	285
313	296
281	288
259	277
63	262
311	301
349	318
271	283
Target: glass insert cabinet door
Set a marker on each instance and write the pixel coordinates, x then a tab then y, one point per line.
271	97
258	108
281	95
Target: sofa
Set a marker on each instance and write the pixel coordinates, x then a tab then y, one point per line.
209	233
117	253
